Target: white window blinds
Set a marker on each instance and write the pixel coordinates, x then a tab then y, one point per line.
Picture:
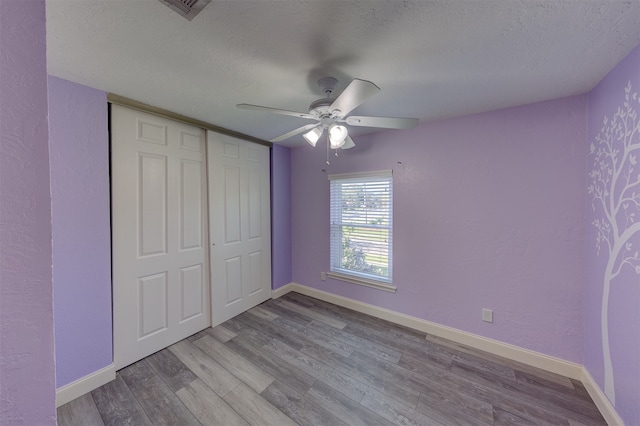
361	224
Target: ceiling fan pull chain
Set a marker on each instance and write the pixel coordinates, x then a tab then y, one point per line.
328	163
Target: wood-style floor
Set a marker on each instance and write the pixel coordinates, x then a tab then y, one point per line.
298	360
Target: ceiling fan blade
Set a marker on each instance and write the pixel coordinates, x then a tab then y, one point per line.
383	122
276	111
348	143
294	132
355	94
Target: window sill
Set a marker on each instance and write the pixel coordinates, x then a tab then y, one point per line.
362	281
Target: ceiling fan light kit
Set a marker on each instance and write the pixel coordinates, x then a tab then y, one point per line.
329	113
337	135
313	135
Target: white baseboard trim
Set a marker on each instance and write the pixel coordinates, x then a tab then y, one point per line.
600	399
516	353
85	384
281	291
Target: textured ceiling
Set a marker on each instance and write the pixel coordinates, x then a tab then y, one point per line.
432	59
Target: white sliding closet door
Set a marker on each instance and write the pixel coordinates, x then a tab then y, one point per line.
240	231
159	228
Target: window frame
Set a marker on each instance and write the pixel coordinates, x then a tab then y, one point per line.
336	231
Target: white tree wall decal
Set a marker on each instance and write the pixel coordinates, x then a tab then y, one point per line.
615	190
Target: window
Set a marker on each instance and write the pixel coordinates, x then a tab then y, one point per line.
361	226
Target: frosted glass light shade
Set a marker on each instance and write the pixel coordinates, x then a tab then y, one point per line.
313	135
337	135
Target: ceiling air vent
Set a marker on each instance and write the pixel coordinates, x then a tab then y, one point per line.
187	8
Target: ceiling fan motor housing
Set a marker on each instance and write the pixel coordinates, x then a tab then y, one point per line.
320	107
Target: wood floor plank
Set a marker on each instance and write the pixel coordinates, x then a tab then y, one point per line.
420	348
544	382
321	371
448	399
207	406
565	404
234	324
314	336
394	411
209	371
549	400
290	335
349	316
381	351
434	383
453	414
504	418
475	373
406	345
161	405
80	412
398	331
509	398
569	399
459	349
456	348
171	370
255	409
313	315
255	337
221	333
368	373
297	407
528	409
117	405
344	407
483	364
275	366
281	311
236	364
262	313
303	300
575	423
546	378
440	384
268	331
427	360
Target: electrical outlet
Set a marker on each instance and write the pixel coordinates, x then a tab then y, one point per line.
487	315
323	276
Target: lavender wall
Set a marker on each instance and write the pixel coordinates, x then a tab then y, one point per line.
280	216
79	161
612	303
27	383
488	213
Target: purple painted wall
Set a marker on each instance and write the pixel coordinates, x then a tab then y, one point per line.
620	314
280	216
79	161
27	382
488	213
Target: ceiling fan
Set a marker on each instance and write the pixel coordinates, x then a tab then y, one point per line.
331	114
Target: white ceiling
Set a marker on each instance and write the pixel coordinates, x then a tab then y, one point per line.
432	59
